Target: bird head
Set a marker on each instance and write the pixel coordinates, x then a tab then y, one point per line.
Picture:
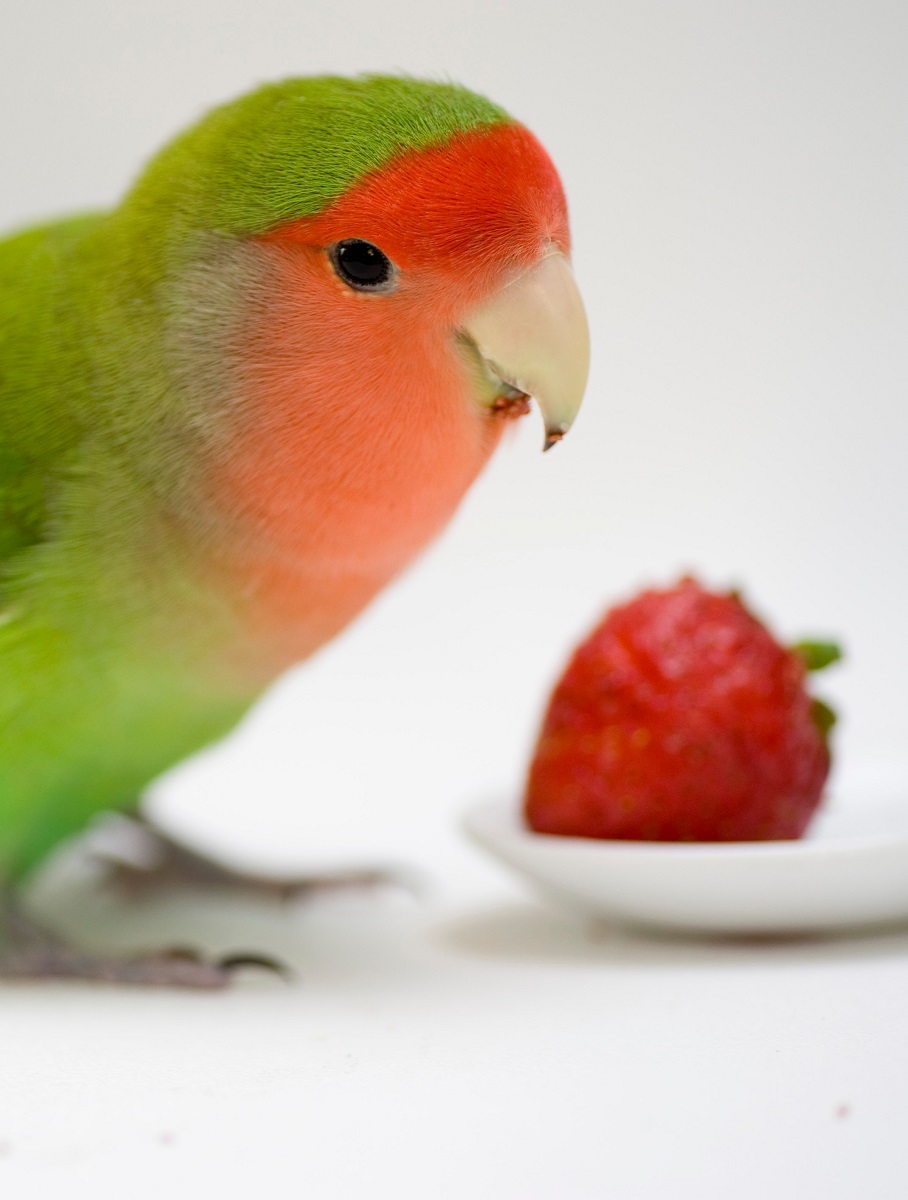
357	282
402	212
460	251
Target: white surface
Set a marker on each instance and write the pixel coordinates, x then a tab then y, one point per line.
850	871
737	182
476	1046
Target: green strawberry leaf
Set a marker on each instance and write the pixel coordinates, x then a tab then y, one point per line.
823	716
817	655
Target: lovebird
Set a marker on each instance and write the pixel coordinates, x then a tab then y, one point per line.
232	409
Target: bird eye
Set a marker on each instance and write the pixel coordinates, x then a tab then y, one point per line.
362	265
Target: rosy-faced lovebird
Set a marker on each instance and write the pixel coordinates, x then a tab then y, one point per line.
233	408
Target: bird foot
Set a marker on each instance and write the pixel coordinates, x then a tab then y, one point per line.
141	860
173	969
32	953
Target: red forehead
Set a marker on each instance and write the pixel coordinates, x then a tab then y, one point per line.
491	194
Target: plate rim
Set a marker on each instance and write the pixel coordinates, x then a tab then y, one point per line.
805	847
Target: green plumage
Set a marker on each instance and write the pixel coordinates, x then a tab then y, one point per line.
108	642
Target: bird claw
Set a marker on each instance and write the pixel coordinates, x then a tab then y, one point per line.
32	953
177	968
140	861
236	962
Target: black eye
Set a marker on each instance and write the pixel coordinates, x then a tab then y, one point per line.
362	265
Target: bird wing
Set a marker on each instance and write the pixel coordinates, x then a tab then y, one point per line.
39	431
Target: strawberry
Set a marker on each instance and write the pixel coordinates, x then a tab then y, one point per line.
681	718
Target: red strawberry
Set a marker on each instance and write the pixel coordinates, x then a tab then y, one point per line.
682	719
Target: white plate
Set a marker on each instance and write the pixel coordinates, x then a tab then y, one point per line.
851	870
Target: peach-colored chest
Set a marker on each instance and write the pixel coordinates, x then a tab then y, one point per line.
335	479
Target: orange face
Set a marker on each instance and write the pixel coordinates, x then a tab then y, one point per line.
360	425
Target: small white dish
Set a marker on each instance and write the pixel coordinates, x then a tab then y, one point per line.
850	870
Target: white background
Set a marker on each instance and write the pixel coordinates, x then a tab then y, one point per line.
737	178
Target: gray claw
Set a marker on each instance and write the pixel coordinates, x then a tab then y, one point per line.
235	962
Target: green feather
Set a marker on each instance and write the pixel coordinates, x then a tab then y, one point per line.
108	644
290	148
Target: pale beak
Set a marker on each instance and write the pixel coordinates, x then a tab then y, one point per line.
533	337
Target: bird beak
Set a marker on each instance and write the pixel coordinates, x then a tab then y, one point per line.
534	340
